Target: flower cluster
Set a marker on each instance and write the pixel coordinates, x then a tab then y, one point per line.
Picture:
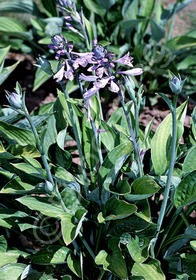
100	62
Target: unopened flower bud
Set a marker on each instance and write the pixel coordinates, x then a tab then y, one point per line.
44	64
15	99
48	187
175	83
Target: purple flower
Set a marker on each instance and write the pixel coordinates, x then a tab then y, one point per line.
89	93
88	78
59	75
126	60
61	45
69	74
134	72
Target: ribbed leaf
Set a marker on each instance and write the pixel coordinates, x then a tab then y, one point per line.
22	136
150	270
161	142
20	6
3	53
11	25
7	71
14	270
50	7
186	190
42	204
190	163
54	254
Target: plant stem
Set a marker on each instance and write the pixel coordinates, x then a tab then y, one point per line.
171	168
133	140
76	134
87	246
44	159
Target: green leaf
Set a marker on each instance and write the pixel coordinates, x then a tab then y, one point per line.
59	156
116	209
3	244
89	29
22	136
190	163
15	186
109	138
41	77
113	163
94	7
3	53
12	270
28	151
121	188
166	99
53	254
160	146
45	205
50	134
158	32
112	261
50	7
138	254
9	257
142	188
74	265
70	228
180	42
89	144
11	25
20	6
150	270
193	244
186	190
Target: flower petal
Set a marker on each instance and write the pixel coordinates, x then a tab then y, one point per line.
89	93
59	74
134	72
114	87
87	78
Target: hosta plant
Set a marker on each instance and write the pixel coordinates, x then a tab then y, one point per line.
96	197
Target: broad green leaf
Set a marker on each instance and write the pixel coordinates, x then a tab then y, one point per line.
107	4
190	163
45	205
142	188
180	42
193	244
7	71
9	257
41	77
3	53
27	151
69	227
12	270
29	170
158	32
160	146
59	156
3	244
11	25
146	9
150	270
16	186
50	134
187	62
74	265
73	200
109	137
112	261
50	7
186	191
53	254
144	210
22	136
20	6
113	163
116	209
94	7
121	188
89	29
138	254
89	144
